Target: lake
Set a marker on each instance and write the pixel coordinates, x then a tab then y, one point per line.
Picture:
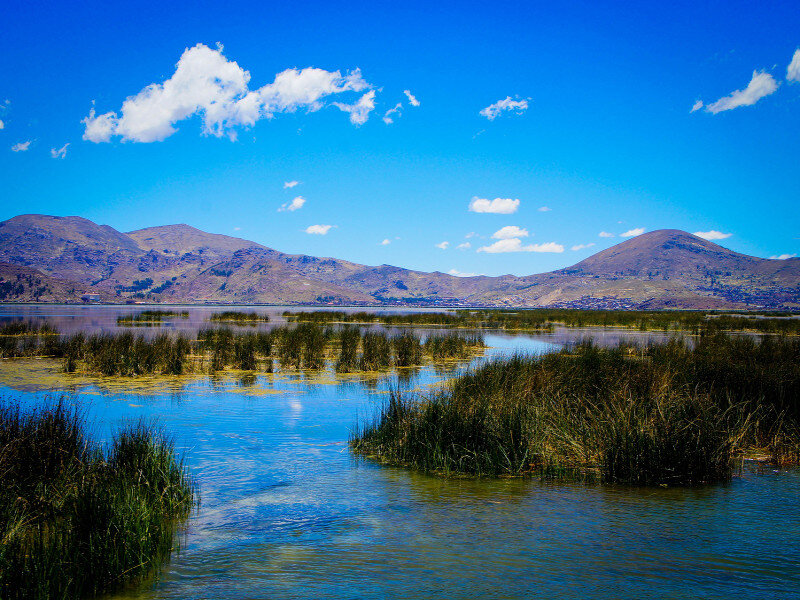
287	512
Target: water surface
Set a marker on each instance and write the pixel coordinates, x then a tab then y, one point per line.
288	512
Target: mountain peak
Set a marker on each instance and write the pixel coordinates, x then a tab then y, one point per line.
181	238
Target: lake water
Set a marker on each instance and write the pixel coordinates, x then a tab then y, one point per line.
287	512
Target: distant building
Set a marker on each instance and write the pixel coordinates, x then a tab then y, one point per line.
91	297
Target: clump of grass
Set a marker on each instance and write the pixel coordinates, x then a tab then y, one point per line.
238	317
76	518
407	350
376	351
660	414
350	339
453	344
127	355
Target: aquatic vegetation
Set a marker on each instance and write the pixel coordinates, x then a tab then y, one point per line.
544	319
150	317
350	339
453	344
407	350
238	317
659	414
78	518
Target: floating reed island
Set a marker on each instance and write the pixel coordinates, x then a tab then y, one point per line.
305	346
79	518
666	414
545	319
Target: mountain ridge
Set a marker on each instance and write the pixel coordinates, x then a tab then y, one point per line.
179	263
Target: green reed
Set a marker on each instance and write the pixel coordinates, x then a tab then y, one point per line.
659	414
150	317
78	518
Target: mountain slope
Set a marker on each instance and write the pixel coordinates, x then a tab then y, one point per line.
179	263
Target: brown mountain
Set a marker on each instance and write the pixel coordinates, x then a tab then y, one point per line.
178	263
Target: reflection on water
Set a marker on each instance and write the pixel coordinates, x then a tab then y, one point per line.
288	512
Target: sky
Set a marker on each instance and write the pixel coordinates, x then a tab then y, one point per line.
469	137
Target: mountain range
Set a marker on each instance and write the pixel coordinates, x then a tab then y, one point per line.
63	259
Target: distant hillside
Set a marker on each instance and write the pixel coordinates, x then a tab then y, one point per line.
179	263
23	284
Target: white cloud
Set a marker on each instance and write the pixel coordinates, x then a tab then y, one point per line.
793	70
696	106
464	246
544	209
2	125
510	231
500	206
783	256
471	234
295	204
712	235
386	242
443	245
60	152
387	118
237	228
605	234
456	273
359	111
515	245
319	229
493	111
206	83
21	146
762	84
290	184
633	232
582	246
411	99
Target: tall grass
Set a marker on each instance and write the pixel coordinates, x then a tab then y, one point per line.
77	518
150	317
658	414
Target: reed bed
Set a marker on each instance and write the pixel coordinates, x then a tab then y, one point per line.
544	319
78	518
151	317
659	414
238	317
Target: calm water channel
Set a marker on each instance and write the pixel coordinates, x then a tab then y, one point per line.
287	512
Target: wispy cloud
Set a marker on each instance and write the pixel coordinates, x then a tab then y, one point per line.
411	99
500	206
782	256
712	235
456	273
359	111
443	245
633	232
464	246
206	83
762	84
21	146
696	106
793	70
2	125
510	231
60	152
319	229
290	184
515	245
493	111
606	234
296	204
471	234
386	242
582	246
544	209
387	118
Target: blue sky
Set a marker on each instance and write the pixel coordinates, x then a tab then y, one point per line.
594	123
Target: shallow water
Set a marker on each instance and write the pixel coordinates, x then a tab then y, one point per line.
288	512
